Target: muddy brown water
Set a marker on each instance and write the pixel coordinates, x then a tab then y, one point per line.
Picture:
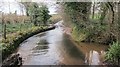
54	47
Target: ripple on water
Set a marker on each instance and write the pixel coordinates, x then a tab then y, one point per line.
42	42
41	48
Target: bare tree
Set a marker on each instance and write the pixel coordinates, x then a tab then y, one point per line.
4	26
119	21
3	22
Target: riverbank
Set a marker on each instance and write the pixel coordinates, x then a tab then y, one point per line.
56	46
94	54
9	46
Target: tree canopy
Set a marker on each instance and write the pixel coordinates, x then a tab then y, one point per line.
39	14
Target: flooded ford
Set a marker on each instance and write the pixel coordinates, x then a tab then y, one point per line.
55	47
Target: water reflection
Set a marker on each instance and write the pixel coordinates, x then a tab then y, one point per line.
94	58
94	53
43	42
40	47
71	48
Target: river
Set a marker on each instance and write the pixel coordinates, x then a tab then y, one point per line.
55	47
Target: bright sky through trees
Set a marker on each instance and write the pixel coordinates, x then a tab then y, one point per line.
8	6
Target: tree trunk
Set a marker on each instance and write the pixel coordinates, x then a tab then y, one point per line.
93	12
4	27
112	10
119	21
111	7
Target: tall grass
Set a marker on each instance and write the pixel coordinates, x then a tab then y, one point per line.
14	27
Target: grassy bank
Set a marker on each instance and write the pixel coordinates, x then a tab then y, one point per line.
13	40
14	27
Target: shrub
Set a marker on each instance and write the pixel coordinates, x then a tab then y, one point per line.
113	53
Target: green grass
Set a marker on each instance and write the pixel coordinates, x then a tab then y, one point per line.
96	17
14	27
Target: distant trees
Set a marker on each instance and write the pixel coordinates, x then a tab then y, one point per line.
39	14
33	13
44	14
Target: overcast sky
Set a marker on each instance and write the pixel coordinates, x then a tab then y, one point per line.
15	6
